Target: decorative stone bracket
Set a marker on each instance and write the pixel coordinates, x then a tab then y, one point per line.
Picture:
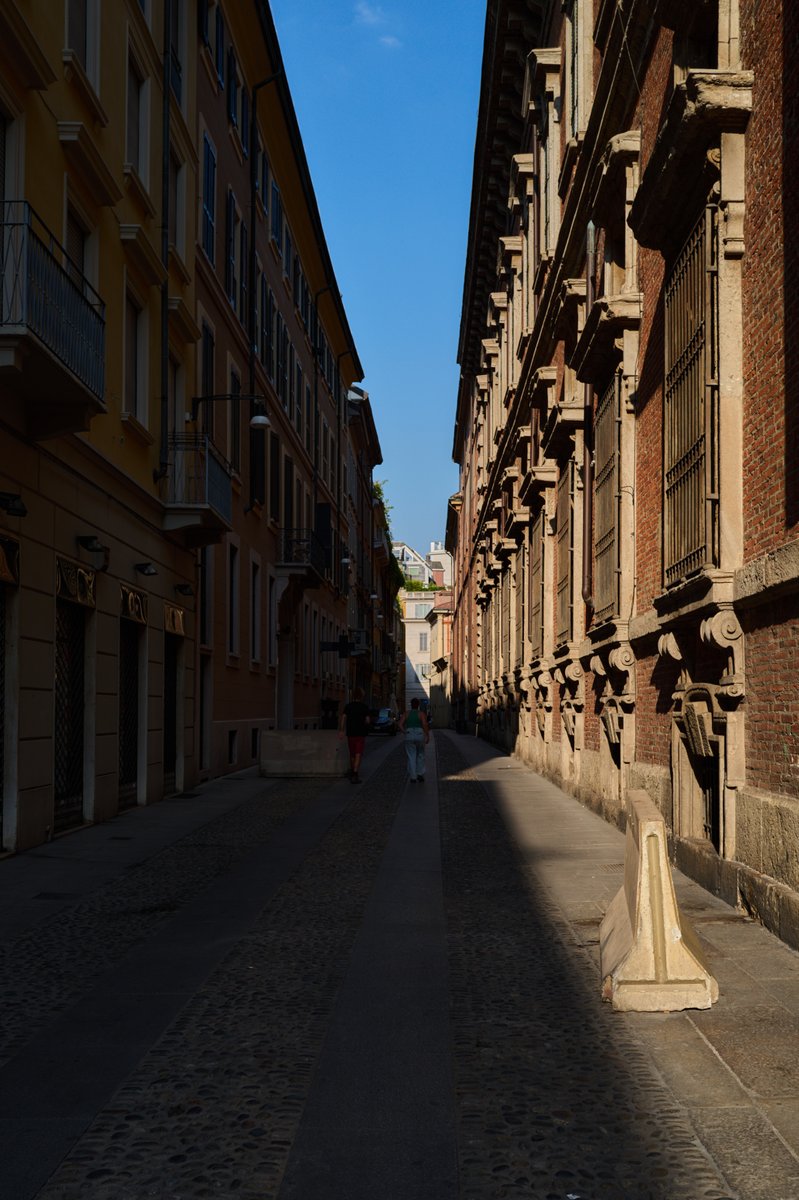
723	631
617	702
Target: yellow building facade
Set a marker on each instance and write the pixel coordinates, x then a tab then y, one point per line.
96	344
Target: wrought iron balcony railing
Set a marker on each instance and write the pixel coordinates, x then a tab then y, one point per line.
43	293
302	548
198	477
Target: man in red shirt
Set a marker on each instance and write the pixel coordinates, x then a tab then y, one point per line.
355	718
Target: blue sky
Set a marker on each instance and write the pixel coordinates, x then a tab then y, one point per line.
386	96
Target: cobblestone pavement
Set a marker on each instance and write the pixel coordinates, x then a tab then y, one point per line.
213	1108
47	967
555	1096
555	1100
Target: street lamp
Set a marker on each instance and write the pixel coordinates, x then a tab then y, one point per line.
259	419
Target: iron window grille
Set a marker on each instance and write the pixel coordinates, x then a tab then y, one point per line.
565	536
537	586
607	441
691	406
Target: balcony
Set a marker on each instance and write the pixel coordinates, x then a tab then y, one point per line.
52	329
197	491
302	553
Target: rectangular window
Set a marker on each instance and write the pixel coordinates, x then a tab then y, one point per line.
255	612
219	47
133	138
177	204
267	326
243	272
299	392
536	630
78	29
203	23
277	217
423	641
204	621
565	526
308	422
288	251
274	477
691	398
232	88
209	199
607	432
135	359
283	375
264	181
233	600
271	625
234	440
175	56
245	121
230	247
207	375
76	238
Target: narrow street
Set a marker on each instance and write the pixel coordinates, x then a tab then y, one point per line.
311	990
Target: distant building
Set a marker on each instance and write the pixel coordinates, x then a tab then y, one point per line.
415	608
439	561
440	680
412	564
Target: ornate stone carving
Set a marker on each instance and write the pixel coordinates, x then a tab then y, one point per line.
133	604
75	582
9	560
668	647
174	620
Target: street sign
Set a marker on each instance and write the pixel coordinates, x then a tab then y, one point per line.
343	646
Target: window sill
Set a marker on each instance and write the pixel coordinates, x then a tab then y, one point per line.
235	139
138	189
176	261
75	74
133	426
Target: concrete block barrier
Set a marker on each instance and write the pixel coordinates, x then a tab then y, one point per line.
292	753
650	955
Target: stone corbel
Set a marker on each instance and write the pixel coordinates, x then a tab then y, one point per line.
723	631
571	300
601	343
669	648
732	234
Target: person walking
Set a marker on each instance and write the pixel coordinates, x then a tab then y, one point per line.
354	724
417	734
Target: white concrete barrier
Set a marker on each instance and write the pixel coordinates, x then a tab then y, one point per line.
303	752
651	958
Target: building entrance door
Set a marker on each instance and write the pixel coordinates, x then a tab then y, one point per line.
128	713
70	654
171	644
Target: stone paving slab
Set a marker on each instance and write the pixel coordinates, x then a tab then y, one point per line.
734	1060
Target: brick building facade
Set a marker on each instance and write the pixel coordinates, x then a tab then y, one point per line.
626	527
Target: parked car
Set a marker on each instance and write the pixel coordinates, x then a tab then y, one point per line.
385	722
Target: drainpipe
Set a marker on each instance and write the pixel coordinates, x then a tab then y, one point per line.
163	465
251	330
342	399
588	437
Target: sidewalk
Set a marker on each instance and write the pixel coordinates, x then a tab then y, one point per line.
306	990
733	1069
